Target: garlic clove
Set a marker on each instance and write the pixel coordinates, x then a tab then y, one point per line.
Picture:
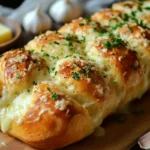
63	11
144	141
36	21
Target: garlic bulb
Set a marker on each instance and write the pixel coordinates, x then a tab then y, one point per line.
36	21
144	141
63	11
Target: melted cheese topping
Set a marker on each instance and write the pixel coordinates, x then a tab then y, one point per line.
14	110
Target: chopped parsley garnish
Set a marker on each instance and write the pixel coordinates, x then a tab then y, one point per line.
48	89
147	8
113	43
31	51
54	96
130	30
138	22
34	83
76	76
133	13
116	42
46	54
39	69
107	44
55	42
54	57
87	19
102	31
126	17
48	69
81	24
55	72
86	71
53	68
95	29
117	26
68	37
141	23
17	75
68	55
70	43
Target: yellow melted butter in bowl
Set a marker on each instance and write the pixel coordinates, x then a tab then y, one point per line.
5	34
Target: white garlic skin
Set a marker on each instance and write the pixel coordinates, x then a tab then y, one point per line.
36	21
64	11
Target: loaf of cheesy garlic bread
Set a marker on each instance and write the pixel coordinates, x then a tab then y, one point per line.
59	88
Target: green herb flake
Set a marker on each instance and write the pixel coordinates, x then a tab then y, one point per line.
141	23
68	37
39	69
70	43
86	71
31	51
54	96
46	55
88	19
54	57
117	26
53	68
55	72
107	44
81	24
133	13
34	83
76	76
17	75
147	8
48	89
102	31
48	69
114	43
126	17
55	42
130	30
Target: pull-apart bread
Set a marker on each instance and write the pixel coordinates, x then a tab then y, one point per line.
61	85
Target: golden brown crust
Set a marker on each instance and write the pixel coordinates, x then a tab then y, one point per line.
18	68
50	118
107	18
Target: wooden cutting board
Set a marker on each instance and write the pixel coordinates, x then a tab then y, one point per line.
121	131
